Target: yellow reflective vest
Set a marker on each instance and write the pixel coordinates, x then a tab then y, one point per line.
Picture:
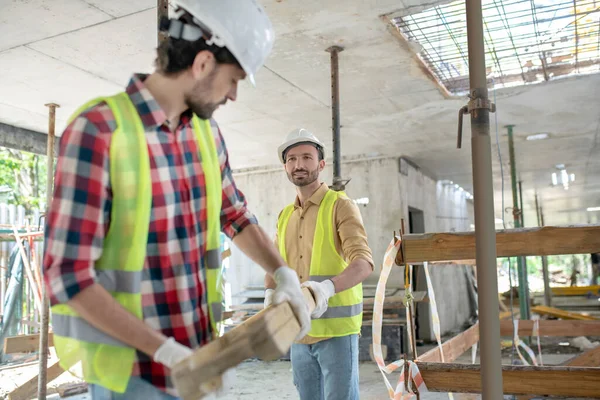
84	350
344	311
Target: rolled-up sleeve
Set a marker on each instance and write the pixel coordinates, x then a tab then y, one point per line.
76	222
235	215
351	231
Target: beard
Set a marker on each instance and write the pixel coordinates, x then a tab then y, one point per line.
194	100
304	178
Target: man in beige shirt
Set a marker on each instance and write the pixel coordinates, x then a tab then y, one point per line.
328	224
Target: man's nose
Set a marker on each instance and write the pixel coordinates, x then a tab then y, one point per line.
232	95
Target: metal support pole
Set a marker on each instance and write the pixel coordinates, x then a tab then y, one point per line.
485	228
521	206
162	10
545	273
43	364
338	185
521	267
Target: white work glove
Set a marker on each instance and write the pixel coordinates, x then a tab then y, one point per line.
322	291
269	297
171	352
288	289
227	384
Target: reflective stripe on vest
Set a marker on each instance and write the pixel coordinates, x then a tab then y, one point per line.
99	358
344	311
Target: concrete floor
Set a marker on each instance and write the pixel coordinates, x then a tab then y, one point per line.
268	380
254	380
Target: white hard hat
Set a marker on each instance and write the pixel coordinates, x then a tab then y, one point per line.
298	136
242	26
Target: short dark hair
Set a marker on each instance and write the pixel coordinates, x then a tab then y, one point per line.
316	146
177	55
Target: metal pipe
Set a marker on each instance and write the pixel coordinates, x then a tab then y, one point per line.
521	206
485	228
162	10
335	117
521	268
524	258
545	273
43	364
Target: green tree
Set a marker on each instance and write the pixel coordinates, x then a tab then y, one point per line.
23	178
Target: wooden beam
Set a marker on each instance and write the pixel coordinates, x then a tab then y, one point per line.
72	389
557	312
547	240
454	347
552	328
589	358
28	389
575	290
267	335
390	302
516	379
24	343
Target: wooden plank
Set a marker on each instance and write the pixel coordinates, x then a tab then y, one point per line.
454	347
72	389
571	328
589	358
29	388
575	303
547	240
390	302
575	290
267	335
557	312
25	343
516	379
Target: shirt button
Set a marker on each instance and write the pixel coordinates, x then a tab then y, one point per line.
301	217
300	256
300	236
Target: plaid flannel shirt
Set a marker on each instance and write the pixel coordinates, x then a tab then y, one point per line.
173	284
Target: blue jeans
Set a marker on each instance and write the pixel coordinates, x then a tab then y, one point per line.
327	370
137	389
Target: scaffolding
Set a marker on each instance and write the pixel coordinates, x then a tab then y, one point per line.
527	41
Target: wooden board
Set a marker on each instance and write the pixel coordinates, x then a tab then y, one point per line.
516	379
267	335
26	390
455	347
390	302
72	389
25	343
571	328
575	290
544	241
562	314
589	358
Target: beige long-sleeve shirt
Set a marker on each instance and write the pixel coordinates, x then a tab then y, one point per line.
350	236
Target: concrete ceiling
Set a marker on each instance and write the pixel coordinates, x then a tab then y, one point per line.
68	51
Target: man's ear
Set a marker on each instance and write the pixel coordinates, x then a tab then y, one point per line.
321	165
203	64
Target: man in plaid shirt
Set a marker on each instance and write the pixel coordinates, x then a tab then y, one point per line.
198	69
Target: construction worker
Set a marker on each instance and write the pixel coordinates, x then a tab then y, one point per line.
322	237
142	189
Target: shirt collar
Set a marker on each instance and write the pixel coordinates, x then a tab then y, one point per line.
151	113
317	196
